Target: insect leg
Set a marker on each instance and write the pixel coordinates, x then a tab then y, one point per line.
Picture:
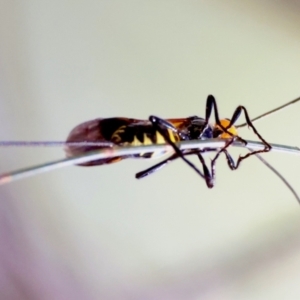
208	178
160	125
230	162
211	104
156	167
234	118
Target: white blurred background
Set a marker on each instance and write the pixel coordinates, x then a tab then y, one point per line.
98	233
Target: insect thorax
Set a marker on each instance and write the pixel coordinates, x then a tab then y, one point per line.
198	129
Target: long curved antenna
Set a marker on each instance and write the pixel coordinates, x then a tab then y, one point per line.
270	112
280	176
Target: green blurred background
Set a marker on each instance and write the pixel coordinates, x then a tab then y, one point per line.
98	233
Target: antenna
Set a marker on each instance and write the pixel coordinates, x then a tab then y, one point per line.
271	112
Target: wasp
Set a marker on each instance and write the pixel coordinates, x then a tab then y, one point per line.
134	132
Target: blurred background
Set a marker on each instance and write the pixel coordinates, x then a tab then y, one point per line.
98	233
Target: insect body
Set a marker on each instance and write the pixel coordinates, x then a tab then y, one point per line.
104	133
134	132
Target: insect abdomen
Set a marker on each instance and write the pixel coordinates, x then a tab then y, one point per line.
142	134
119	131
95	131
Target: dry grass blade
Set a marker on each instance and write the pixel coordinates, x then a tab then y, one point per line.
120	151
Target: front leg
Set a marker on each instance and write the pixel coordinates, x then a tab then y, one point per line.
160	125
267	146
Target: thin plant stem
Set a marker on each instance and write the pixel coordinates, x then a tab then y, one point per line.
52	144
109	152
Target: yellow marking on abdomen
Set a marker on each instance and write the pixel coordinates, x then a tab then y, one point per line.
147	141
172	136
116	138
